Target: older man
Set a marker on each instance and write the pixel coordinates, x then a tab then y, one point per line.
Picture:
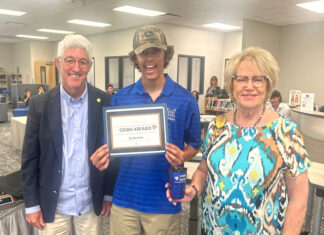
64	127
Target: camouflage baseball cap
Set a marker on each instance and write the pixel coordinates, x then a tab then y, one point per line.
149	36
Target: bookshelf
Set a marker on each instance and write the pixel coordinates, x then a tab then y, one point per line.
215	106
3	81
14	79
7	79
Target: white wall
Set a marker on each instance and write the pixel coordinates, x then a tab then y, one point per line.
117	43
40	51
23	55
22	59
190	41
299	50
232	46
262	35
6	58
302	60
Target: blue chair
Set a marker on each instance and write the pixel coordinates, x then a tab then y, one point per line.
5	91
20	112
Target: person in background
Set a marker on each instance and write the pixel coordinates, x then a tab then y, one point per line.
195	94
62	189
214	90
139	202
253	175
40	89
281	109
27	97
110	89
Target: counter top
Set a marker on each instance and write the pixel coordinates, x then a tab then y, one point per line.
313	113
311	123
316	174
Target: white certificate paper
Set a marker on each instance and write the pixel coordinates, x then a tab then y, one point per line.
307	102
136	130
142	130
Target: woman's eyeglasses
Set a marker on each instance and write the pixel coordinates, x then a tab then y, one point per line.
257	81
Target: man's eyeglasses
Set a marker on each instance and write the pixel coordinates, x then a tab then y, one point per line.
257	81
70	62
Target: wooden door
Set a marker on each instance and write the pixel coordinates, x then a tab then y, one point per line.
45	73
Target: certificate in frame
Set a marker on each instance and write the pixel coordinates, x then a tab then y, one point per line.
135	130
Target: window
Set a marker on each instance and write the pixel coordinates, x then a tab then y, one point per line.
191	72
119	71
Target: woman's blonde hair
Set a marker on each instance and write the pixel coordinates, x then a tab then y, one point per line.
264	61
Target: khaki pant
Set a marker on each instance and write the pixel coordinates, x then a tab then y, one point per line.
124	221
87	224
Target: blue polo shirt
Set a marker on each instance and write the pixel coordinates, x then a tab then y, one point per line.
141	179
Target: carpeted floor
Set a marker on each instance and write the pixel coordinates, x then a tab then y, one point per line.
10	162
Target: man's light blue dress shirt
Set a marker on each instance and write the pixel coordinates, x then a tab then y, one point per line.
75	197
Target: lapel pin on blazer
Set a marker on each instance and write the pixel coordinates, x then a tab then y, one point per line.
98	100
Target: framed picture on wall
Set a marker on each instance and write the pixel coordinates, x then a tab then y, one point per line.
294	97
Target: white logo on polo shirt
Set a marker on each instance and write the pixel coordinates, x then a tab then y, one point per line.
171	113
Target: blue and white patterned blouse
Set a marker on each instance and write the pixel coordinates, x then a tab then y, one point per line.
245	192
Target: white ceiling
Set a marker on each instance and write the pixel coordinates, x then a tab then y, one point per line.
53	14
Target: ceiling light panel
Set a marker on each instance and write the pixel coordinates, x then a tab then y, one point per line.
317	6
31	36
138	11
88	23
13	13
221	26
54	31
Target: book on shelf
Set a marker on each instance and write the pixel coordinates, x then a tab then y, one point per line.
219	104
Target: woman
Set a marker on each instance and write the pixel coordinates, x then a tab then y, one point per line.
253	175
213	90
281	109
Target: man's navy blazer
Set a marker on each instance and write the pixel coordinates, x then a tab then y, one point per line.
42	151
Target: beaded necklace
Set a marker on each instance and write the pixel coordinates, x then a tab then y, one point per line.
254	125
